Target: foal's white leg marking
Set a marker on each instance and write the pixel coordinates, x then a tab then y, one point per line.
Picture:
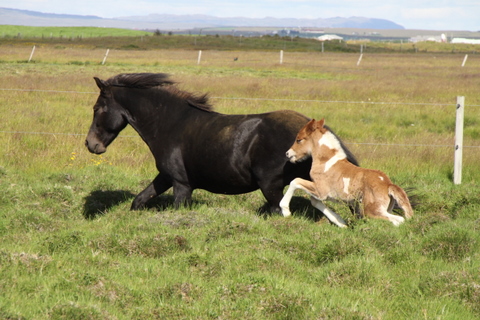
393	218
287	197
346	184
396	220
285	202
330	214
296	184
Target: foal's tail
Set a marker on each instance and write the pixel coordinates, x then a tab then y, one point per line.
401	197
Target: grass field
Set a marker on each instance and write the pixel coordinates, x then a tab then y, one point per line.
125	39
19	32
71	249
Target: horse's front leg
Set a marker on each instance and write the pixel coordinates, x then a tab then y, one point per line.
182	194
297	183
158	186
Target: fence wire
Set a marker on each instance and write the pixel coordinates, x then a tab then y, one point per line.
252	99
270	99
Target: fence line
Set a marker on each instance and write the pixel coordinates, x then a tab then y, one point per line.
269	99
252	99
349	143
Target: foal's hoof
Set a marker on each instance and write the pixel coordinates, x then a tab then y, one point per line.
286	213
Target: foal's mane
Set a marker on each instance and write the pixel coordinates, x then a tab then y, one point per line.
351	158
156	81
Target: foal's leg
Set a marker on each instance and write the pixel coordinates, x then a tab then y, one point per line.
393	218
330	214
309	187
379	210
158	186
298	183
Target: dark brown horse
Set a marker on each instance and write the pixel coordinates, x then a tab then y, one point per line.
195	147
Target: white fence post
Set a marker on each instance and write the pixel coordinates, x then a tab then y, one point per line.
105	58
281	56
199	56
464	60
457	166
31	54
359	59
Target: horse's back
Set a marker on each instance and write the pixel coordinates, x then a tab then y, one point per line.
289	120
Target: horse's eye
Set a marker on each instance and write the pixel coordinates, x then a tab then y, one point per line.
299	140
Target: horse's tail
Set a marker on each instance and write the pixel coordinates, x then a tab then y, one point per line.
401	198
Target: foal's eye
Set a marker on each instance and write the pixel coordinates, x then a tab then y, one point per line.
299	140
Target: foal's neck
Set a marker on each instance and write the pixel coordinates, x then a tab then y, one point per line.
328	150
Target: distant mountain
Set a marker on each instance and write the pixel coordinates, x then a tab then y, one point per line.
170	22
210	21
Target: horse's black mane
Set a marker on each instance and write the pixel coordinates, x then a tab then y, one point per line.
159	80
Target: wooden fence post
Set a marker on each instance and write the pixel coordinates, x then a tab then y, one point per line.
281	56
360	59
105	57
464	60
31	54
199	56
457	166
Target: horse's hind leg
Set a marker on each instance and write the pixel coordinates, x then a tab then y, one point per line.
158	186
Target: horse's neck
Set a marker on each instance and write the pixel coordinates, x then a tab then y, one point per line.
154	115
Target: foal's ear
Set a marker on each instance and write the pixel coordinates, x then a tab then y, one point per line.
320	123
310	126
100	83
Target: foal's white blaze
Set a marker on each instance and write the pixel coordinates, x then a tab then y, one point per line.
290	153
346	184
331	142
381	178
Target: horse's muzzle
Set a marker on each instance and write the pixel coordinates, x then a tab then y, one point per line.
95	147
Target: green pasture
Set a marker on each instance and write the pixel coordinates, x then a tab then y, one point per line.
128	39
72	249
11	31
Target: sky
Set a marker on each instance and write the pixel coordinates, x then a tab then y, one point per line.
411	14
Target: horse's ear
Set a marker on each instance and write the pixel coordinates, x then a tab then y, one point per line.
321	123
310	126
100	83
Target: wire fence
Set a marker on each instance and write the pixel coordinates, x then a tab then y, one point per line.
253	99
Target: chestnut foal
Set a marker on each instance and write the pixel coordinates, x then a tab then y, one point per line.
334	178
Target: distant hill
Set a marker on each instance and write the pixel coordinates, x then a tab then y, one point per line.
171	22
210	21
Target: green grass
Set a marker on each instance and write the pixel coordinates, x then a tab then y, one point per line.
72	249
11	31
127	39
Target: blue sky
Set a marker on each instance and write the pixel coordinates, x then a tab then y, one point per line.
412	14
